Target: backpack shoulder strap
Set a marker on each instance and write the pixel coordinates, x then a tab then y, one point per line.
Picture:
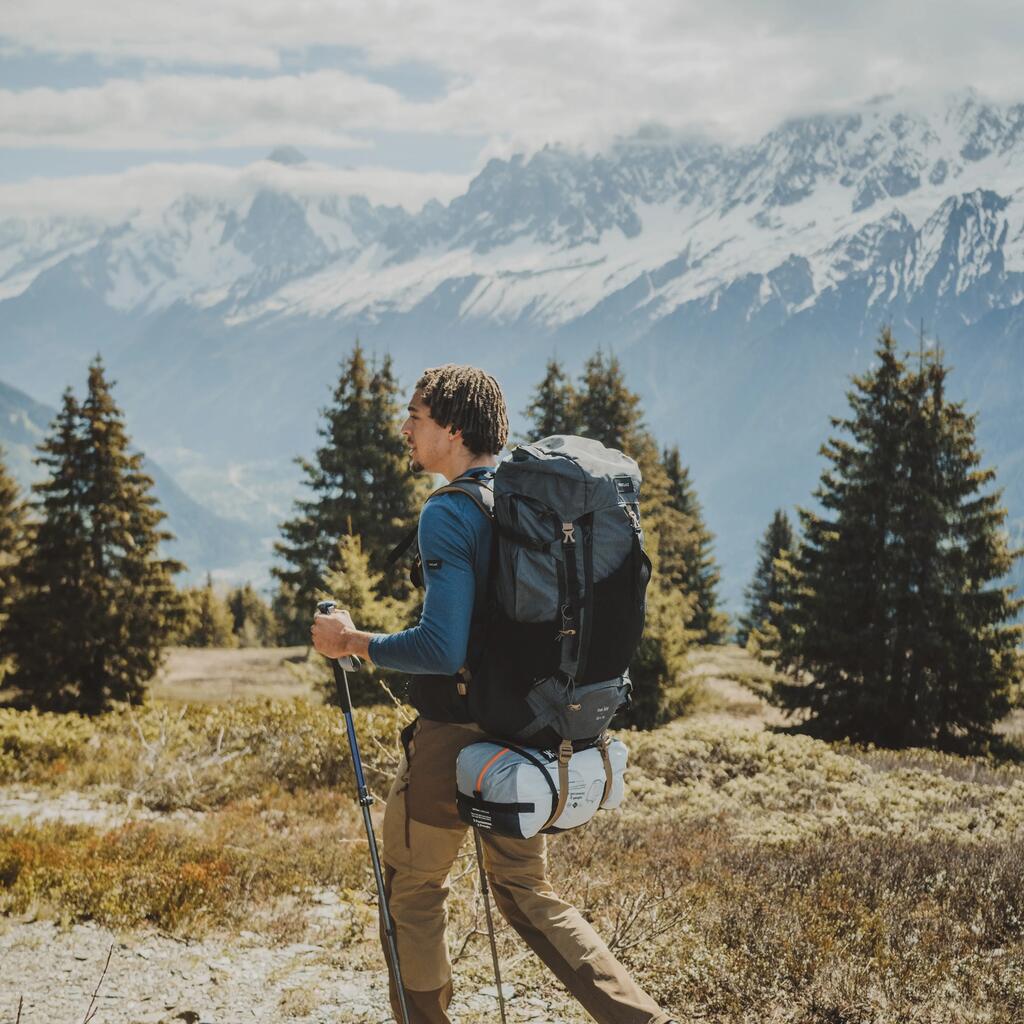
480	491
400	548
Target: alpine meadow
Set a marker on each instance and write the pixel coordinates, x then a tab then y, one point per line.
262	275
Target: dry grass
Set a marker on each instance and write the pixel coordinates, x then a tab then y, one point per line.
228	869
169	757
830	928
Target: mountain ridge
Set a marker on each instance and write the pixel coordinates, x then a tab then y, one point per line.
741	286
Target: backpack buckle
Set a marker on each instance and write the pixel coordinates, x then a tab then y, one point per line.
566	620
568	533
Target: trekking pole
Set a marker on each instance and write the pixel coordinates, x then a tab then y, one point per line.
339	665
490	921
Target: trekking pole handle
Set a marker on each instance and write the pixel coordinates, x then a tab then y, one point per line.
352	663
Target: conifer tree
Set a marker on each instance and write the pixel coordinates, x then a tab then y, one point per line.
655	671
765	588
900	626
701	575
47	580
13	538
552	409
670	539
360	483
293	616
396	493
95	603
208	622
12	532
606	409
772	640
252	620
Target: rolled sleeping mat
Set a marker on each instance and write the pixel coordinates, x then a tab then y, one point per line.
513	790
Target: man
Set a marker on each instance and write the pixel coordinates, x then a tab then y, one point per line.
457	424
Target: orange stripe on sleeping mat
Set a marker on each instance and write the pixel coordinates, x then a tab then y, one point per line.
483	771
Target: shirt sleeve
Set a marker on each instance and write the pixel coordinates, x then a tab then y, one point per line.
438	643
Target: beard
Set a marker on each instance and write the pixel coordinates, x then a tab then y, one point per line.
415	465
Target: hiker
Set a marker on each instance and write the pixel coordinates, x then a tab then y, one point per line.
456	427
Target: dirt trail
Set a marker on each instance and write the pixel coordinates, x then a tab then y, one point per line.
155	979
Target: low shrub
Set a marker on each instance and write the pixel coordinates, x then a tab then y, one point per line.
198	756
830	928
214	873
36	744
775	787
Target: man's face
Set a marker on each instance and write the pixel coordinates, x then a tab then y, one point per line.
430	444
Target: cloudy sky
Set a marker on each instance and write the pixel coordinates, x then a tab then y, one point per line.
406	100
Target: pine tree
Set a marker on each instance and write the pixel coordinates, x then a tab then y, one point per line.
701	575
13	539
765	588
395	493
772	640
293	616
553	407
360	481
208	622
45	632
606	409
900	633
96	603
252	620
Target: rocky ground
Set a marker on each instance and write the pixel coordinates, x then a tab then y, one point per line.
59	977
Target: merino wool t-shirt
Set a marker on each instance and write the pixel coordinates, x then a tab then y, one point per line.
454	539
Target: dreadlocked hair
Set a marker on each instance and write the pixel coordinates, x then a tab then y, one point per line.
467	399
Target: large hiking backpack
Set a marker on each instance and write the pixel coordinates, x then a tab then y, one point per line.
567	592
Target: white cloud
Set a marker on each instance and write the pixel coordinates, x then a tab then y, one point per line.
191	111
152	187
570	70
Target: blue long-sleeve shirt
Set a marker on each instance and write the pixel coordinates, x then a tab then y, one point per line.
454	539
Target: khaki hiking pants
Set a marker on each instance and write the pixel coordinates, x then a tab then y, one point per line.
422	836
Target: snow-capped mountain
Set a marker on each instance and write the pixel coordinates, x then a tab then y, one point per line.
740	286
